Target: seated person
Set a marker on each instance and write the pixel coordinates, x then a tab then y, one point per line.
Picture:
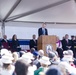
33	42
5	43
15	44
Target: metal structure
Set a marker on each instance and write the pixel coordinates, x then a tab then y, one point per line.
8	18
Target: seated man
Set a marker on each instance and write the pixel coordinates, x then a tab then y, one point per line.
5	43
33	42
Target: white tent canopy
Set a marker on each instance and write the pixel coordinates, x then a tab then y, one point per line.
62	11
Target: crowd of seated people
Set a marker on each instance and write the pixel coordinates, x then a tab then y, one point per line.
36	63
57	62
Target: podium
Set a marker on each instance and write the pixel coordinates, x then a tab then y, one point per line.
45	40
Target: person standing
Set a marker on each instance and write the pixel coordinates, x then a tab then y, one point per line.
43	30
33	42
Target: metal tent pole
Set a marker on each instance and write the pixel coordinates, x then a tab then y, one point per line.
3	28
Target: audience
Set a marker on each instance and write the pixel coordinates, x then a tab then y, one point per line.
36	63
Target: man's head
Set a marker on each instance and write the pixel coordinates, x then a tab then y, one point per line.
43	25
72	37
34	36
21	68
66	36
4	36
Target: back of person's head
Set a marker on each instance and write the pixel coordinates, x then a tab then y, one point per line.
15	56
70	52
32	50
65	53
21	68
53	70
45	61
41	52
51	55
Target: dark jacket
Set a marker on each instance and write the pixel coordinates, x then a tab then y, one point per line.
33	44
15	44
65	44
40	32
3	41
5	44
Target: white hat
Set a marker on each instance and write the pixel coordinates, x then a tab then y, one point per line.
68	58
27	57
41	52
30	55
4	51
7	59
65	53
45	60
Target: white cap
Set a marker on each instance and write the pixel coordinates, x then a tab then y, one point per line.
4	52
27	57
7	59
41	52
45	60
65	52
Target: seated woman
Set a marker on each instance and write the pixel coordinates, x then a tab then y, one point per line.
59	48
15	44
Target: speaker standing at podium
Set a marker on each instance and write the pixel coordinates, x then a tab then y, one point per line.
42	30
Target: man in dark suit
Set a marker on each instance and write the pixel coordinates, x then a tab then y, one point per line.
33	42
42	30
5	43
66	43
